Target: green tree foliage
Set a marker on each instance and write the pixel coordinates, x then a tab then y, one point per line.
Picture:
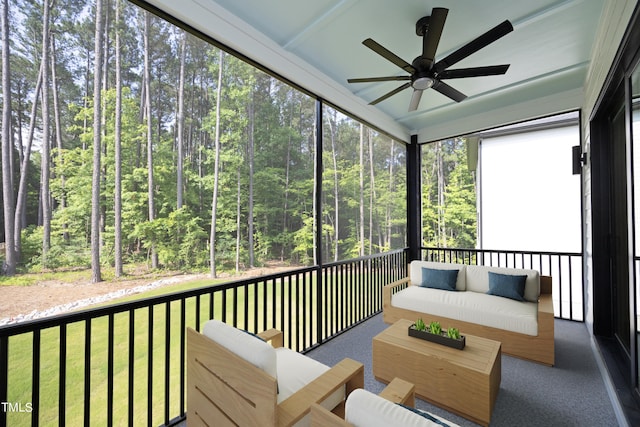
448	195
267	183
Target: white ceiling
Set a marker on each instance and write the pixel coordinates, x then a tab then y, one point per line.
318	44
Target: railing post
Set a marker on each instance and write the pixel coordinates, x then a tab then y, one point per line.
414	199
4	370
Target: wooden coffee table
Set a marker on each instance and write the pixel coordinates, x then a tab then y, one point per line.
465	382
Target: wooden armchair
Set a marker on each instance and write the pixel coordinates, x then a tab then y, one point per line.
365	409
235	379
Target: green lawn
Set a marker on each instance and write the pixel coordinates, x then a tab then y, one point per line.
20	350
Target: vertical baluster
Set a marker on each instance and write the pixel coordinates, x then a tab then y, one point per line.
183	331
167	360
150	369
256	317
87	372
4	382
110	338
62	378
570	288
131	366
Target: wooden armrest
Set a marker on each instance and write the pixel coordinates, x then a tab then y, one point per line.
347	372
273	335
545	304
321	417
397	283
546	285
400	391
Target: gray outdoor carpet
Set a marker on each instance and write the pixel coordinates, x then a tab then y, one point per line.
570	394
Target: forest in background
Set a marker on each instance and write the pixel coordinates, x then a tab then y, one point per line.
126	139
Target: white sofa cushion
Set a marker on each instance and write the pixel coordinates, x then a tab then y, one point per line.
415	272
472	307
296	370
478	279
365	409
252	349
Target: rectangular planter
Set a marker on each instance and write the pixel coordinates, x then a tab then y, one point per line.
439	339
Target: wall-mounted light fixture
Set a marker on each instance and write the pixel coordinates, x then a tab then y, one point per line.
579	159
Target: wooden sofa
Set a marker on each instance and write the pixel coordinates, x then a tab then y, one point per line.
225	389
538	348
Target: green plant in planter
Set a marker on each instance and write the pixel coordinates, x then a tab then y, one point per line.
434	328
420	325
453	333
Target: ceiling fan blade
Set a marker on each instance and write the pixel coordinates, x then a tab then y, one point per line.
431	40
415	100
475	45
460	73
448	91
379	79
389	94
388	55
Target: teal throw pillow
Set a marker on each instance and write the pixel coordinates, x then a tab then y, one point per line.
507	286
439	279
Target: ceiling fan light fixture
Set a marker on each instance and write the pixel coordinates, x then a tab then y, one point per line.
422	83
424	72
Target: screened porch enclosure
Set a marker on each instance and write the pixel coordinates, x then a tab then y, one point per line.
342	198
125	363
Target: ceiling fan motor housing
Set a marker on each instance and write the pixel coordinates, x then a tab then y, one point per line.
422	26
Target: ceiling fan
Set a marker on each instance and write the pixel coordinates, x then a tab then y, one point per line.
424	72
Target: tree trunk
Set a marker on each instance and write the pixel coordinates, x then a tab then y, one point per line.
442	231
372	192
391	192
10	262
97	152
180	118
118	153
147	83
250	149
216	172
238	220
58	125
334	155
46	143
315	208
21	201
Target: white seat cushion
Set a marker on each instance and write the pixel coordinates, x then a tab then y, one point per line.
252	349
296	370
365	409
472	307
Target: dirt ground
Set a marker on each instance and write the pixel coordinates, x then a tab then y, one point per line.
17	300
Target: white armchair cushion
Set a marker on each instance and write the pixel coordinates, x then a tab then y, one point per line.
365	409
295	371
252	349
